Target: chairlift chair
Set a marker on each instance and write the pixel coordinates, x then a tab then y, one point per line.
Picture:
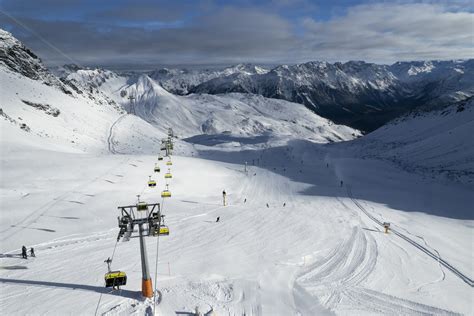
151	183
115	278
142	206
166	192
169	163
157	168
163	230
168	175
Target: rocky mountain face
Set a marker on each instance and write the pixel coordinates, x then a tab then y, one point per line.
18	58
358	94
181	81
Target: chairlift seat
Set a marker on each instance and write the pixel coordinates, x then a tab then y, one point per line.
168	175
152	183
165	194
157	169
169	163
115	278
162	231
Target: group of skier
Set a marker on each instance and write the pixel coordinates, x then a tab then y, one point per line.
24	254
224	195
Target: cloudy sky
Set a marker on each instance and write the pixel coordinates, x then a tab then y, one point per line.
146	33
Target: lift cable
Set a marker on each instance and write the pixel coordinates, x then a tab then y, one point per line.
100	297
156	259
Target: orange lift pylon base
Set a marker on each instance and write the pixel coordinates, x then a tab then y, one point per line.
147	288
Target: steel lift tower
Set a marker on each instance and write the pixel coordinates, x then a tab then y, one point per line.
148	219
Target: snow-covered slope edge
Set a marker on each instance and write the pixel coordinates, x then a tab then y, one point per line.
437	143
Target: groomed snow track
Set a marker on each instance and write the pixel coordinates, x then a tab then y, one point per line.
430	253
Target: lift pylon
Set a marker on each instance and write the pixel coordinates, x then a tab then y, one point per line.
148	219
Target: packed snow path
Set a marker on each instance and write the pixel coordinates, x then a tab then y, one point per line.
433	254
310	251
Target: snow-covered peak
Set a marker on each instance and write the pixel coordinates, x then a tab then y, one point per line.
425	67
95	77
245	69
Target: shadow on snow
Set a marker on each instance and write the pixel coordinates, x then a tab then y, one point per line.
306	162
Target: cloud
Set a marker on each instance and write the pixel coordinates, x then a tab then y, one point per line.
390	32
378	32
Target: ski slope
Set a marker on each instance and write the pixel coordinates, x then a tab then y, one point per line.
318	254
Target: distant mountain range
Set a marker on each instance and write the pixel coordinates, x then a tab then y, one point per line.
358	94
86	109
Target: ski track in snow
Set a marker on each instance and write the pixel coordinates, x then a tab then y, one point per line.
110	137
433	254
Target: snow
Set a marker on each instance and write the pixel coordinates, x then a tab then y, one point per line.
435	143
318	254
426	67
240	114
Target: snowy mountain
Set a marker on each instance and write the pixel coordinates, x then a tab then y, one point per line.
237	114
53	112
358	94
83	108
436	143
180	81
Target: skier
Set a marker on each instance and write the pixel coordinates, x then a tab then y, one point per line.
245	200
218	219
268	205
32	252
224	195
284	204
342	183
23	253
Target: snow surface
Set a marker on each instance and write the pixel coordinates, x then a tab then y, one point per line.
318	254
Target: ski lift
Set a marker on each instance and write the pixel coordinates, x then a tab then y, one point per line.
166	193
151	183
160	158
157	168
115	278
169	163
168	175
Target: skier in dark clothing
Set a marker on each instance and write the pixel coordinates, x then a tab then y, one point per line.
268	205
284	204
342	183
32	252
218	219
23	253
